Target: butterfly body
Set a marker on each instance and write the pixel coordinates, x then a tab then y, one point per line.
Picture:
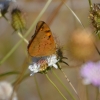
42	42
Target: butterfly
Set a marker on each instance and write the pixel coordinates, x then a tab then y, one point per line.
42	42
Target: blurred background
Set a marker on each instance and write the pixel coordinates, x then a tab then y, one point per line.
62	24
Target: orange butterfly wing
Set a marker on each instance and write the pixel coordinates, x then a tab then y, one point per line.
42	42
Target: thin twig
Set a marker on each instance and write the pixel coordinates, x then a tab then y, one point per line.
73	14
54	13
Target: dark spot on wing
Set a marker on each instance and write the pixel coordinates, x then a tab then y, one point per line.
49	37
47	31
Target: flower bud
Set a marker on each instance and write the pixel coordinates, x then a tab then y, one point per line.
18	20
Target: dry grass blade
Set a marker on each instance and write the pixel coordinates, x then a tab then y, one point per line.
73	14
54	13
70	83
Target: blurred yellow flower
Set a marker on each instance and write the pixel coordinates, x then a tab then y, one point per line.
81	44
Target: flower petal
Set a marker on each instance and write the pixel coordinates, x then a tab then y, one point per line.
52	60
55	66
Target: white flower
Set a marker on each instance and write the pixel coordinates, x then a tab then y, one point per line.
52	60
34	68
38	63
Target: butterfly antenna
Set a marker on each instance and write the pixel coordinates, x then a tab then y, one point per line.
70	83
64	62
64	58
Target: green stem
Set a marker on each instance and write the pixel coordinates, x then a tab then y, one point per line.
37	88
10	52
27	33
90	3
21	36
0	14
63	85
55	87
98	35
9	73
38	17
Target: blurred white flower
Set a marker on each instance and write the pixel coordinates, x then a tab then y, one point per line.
6	91
41	64
90	72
